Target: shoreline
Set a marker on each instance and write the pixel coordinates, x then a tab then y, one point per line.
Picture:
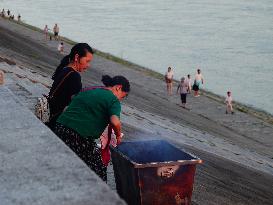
248	109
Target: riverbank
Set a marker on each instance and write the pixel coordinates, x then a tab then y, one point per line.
261	114
236	149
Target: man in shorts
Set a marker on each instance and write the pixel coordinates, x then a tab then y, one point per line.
56	31
197	83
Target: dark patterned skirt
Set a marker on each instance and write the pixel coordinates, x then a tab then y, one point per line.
86	149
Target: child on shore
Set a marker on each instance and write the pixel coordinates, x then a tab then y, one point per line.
61	47
19	18
228	101
188	80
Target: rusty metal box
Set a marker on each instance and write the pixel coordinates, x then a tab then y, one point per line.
153	172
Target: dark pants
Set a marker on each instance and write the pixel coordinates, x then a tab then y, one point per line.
85	148
183	98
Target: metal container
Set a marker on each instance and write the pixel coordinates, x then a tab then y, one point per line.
153	172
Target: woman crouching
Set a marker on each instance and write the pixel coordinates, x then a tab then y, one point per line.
86	118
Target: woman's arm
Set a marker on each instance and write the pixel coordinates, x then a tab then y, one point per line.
116	125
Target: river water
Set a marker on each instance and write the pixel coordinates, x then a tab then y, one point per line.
231	41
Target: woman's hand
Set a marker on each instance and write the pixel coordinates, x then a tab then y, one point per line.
116	125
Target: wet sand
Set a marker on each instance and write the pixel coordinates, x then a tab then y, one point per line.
236	149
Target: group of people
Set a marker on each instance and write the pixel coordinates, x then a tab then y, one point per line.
56	30
9	15
185	87
79	115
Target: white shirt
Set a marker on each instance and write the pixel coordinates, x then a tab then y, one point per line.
169	74
188	80
228	100
56	29
60	47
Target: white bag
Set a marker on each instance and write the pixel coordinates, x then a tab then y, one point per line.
42	105
42	109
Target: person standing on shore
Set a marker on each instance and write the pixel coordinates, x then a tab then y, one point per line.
228	101
183	87
188	80
197	82
67	80
8	12
46	29
169	80
86	118
19	18
3	13
56	31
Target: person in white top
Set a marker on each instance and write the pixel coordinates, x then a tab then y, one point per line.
61	47
56	31
197	82
46	32
169	80
184	89
228	101
3	13
188	80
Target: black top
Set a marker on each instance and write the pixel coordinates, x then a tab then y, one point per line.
62	97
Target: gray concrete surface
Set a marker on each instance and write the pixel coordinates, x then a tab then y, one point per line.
37	168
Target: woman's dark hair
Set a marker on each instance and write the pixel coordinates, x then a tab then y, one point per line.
117	80
80	48
106	80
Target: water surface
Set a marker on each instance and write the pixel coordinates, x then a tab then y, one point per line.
231	41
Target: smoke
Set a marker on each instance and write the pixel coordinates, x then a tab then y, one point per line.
149	151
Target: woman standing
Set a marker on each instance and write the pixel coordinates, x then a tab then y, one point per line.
67	80
169	80
183	87
46	29
86	118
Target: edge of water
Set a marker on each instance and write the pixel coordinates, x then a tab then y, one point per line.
259	113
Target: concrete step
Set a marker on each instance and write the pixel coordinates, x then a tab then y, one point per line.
26	85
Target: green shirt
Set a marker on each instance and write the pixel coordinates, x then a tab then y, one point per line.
90	111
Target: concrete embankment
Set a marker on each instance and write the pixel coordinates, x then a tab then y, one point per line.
38	168
236	149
